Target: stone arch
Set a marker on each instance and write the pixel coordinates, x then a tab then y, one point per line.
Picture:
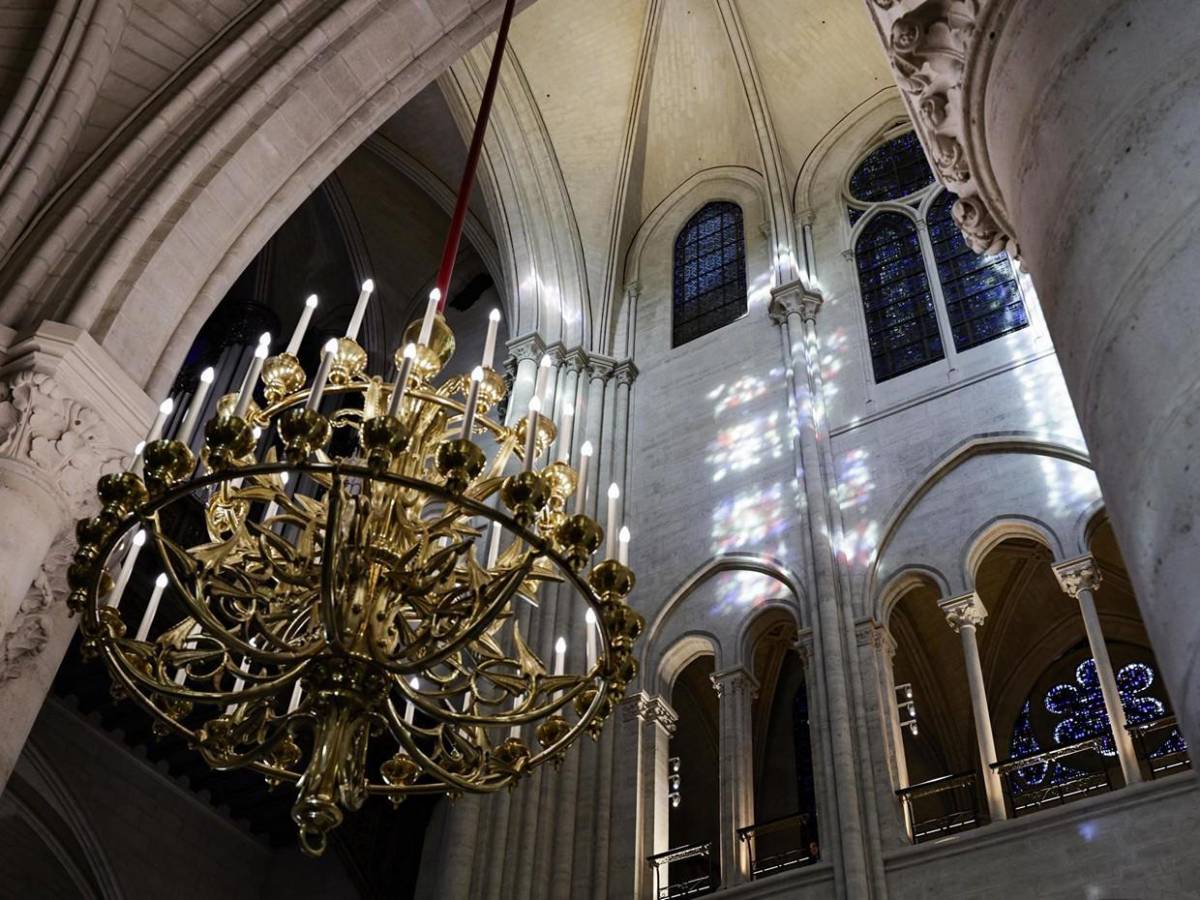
143	243
659	641
1004	528
905	580
682	653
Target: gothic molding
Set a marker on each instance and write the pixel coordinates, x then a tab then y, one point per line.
796	298
625	373
931	45
577	360
966	611
1079	574
870	633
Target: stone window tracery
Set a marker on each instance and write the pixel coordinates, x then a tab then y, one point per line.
709	287
926	294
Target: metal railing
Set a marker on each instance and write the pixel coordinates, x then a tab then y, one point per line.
779	845
941	806
1059	782
1160	746
693	875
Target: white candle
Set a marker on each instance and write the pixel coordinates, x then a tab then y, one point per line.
581	487
181	672
472	402
139	539
494	546
515	731
560	661
360	309
160	585
318	388
543	378
614	496
401	385
435	297
273	507
256	365
590	618
409	708
489	344
297	693
164	411
238	684
565	424
310	304
623	546
192	419
531	423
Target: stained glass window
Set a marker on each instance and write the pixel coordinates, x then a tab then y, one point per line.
982	299
902	328
1079	710
710	272
891	171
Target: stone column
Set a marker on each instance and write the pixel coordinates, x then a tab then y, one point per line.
736	690
624	374
793	307
965	614
1079	579
525	353
1070	132
643	728
598	427
68	414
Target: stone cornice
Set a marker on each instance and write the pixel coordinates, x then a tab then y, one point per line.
1079	574
964	611
931	45
527	346
796	298
625	373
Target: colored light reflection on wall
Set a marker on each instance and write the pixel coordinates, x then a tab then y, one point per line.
753	520
745	445
744	590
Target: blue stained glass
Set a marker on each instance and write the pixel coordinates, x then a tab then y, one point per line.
902	326
891	171
710	272
1083	715
982	299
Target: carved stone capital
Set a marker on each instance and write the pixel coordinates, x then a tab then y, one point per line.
1079	574
795	298
805	647
526	347
962	612
870	633
577	360
931	44
29	631
656	710
625	373
734	681
601	367
556	352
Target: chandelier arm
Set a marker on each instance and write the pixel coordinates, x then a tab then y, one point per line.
404	736
330	619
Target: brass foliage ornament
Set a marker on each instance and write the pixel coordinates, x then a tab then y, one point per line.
343	628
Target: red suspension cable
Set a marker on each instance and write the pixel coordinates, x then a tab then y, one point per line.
454	237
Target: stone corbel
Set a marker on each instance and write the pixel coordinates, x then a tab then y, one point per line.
930	44
795	298
736	680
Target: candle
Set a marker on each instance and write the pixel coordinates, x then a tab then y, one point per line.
164	410
310	304
192	419
435	297
139	539
489	344
160	585
401	385
409	708
543	378
590	618
238	684
494	546
581	488
565	424
472	402
515	731
531	423
273	507
623	546
297	693
614	496
318	388
256	365
360	309
560	660
181	672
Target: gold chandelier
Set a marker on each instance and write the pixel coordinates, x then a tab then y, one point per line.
347	625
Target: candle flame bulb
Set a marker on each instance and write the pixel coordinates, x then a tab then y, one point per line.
614	492
414	684
139	539
590	616
311	301
167	407
560	646
614	496
161	581
368	285
264	339
207	376
623	546
431	309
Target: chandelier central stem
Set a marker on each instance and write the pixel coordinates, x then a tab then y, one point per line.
454	236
